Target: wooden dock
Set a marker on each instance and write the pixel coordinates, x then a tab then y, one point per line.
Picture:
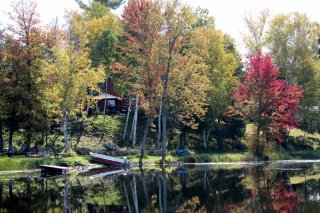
51	170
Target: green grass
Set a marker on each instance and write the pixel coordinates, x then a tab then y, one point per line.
152	158
299	133
197	158
249	128
216	157
23	163
295	132
295	151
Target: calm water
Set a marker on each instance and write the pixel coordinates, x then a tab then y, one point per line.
264	188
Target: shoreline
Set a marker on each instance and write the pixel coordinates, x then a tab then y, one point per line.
175	164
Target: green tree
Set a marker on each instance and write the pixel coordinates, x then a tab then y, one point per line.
187	97
142	22
114	4
222	63
178	19
255	38
97	29
23	55
293	41
69	76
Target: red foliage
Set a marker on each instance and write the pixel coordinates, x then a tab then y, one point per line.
137	21
142	26
266	100
285	199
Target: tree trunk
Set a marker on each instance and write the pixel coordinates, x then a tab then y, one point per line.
287	139
208	135
1	186
145	137
10	184
28	186
127	120
205	181
159	125
83	196
145	190
204	139
170	136
1	137
135	122
164	135
183	138
132	127
105	108
88	104
65	195
164	187
65	127
11	131
164	102
127	198
160	193
133	185
42	137
28	139
80	133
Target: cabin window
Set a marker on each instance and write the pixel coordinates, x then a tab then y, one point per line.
111	103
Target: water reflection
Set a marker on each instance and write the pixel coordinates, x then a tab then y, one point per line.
270	188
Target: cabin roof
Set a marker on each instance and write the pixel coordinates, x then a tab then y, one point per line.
106	96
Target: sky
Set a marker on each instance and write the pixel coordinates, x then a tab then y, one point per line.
228	14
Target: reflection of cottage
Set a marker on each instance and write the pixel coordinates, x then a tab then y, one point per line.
114	104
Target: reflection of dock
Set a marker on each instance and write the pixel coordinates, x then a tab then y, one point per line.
49	170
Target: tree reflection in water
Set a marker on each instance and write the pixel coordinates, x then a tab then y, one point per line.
198	189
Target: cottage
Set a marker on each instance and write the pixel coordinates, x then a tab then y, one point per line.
114	104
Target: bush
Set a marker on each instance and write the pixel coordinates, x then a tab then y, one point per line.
72	153
94	125
204	158
190	159
257	146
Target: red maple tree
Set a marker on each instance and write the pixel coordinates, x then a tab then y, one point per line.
267	101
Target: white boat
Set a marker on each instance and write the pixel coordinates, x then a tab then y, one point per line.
109	160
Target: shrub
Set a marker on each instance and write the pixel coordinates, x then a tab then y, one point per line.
190	159
258	146
72	153
204	158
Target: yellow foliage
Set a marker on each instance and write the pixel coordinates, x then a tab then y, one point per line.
69	76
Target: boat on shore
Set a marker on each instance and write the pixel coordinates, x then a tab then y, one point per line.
109	160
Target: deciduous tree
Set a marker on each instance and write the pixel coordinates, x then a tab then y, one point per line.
178	18
255	38
23	55
267	101
293	43
142	25
69	75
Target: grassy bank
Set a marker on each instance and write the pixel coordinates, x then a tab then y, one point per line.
21	163
300	146
195	158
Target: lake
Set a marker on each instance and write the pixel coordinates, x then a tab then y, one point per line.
274	187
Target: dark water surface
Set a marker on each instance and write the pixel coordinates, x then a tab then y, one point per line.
245	188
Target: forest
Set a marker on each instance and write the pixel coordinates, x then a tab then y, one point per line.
182	82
